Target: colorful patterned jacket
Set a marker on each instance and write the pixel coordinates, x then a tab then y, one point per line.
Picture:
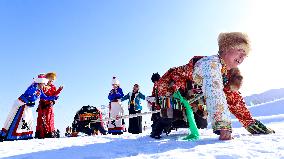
177	77
207	72
33	93
210	73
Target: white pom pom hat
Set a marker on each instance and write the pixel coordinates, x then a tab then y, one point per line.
41	79
115	81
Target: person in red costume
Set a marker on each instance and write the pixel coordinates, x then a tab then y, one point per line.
45	121
220	81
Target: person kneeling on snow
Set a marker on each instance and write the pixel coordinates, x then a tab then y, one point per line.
212	74
19	122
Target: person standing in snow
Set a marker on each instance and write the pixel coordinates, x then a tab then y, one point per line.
115	126
154	105
134	107
45	120
211	73
153	101
19	123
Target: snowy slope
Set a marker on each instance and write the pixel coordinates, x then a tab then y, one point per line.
267	112
142	146
264	97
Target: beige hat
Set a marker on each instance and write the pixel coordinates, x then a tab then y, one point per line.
235	40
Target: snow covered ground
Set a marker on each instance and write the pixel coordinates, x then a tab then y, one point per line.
142	146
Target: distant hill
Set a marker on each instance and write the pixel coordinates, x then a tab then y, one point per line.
264	97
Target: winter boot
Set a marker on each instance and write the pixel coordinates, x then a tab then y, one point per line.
37	135
168	129
156	130
48	135
1	138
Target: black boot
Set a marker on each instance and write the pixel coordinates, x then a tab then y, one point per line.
168	129
160	126
48	135
1	138
37	136
258	128
156	134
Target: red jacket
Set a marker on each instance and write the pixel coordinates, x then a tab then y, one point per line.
50	90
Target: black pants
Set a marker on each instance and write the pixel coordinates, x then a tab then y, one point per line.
201	123
135	124
160	125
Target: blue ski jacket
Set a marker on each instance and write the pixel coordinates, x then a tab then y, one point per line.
137	100
115	94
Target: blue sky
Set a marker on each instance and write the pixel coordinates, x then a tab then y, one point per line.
88	42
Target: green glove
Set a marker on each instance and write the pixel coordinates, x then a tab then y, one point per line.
258	128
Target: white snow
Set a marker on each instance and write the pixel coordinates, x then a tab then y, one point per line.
142	146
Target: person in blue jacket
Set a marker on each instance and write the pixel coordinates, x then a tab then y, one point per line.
116	93
115	126
19	123
134	107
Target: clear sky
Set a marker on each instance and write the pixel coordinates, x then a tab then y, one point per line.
87	42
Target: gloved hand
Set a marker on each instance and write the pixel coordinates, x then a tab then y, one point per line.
258	128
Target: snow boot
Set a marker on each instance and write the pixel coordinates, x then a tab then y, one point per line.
48	135
1	138
37	135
